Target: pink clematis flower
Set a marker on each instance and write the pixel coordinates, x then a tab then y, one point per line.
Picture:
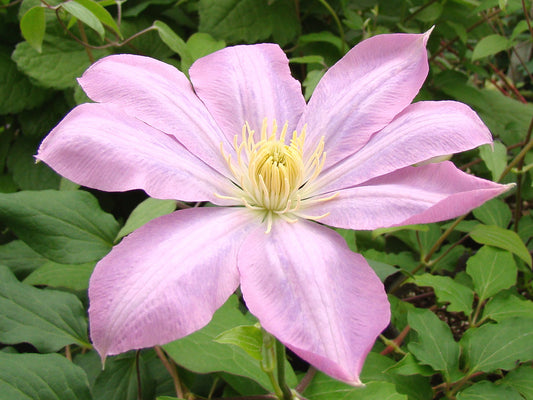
240	135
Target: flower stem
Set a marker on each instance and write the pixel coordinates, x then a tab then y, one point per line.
268	362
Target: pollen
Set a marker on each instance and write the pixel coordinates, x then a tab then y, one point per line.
270	174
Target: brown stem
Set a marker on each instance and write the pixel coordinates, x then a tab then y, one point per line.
519	166
306	380
85	41
526	15
455	39
13	3
171	368
397	341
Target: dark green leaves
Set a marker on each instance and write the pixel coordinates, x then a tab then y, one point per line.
47	319
248	20
200	352
41	377
67	227
57	65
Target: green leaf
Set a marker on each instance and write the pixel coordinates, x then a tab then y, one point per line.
20	258
200	44
75	277
58	65
145	212
383	231
408	365
85	15
505	305
490	45
47	319
494	212
64	226
118	381
435	345
313	59
378	368
101	13
247	337
486	390
33	26
498	346
430	13
172	40
381	269
321	37
459	297
26	173
323	387
310	82
495	158
502	238
249	20
17	93
492	270
199	352
521	379
41	377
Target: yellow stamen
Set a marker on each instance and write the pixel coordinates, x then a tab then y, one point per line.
271	176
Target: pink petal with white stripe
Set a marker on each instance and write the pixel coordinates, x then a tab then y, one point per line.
159	95
413	195
165	280
316	296
248	84
422	131
364	91
98	146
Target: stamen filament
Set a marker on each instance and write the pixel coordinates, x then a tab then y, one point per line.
271	175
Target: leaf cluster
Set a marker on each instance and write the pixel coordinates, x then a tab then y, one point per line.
461	291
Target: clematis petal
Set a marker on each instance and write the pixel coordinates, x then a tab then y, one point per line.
364	91
247	84
98	146
412	195
422	131
166	279
159	95
317	297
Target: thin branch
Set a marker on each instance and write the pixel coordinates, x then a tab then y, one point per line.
306	380
171	368
13	3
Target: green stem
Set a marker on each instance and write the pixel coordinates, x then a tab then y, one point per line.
280	358
337	21
268	363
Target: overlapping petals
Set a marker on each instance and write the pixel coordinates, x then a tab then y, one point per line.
422	131
251	83
154	130
162	282
412	195
320	299
364	91
98	146
160	96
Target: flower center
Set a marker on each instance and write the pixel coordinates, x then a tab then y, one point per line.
271	176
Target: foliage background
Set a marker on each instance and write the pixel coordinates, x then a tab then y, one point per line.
461	291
